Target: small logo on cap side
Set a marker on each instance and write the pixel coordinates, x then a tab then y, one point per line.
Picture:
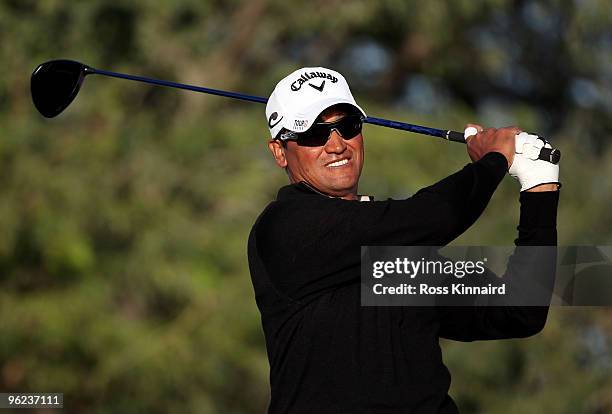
319	88
300	124
273	118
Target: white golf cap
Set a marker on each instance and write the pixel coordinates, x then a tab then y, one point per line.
298	99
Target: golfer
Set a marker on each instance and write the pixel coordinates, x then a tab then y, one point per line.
327	353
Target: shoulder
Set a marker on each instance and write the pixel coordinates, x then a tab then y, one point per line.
296	223
291	216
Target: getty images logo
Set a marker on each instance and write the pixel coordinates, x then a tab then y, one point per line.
297	84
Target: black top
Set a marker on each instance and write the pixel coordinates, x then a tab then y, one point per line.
327	353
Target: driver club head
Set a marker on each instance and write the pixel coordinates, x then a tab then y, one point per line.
55	84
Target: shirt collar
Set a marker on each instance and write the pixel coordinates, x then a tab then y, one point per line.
303	189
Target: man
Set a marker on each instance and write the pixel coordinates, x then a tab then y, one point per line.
327	353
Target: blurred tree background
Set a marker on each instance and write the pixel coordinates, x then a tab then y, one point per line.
123	222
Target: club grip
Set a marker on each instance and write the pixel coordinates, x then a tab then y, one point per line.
551	155
455	136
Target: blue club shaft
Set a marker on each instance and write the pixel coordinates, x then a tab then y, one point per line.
406	127
178	85
551	155
370	120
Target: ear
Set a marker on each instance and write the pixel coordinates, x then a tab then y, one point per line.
278	152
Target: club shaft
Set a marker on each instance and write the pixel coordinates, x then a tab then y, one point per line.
177	85
546	154
418	129
370	120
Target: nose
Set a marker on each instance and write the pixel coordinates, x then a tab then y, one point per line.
335	144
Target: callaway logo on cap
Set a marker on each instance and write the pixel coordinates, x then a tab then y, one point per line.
298	99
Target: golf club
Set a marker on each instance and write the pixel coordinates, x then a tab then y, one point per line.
56	83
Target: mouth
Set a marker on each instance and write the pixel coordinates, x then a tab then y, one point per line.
338	163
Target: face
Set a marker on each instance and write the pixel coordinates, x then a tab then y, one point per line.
333	168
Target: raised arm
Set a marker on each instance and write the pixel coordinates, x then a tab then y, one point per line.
537	227
467	193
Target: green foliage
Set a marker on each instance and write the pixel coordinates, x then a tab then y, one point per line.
124	221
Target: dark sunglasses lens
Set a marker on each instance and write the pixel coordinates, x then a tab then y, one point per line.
317	136
349	127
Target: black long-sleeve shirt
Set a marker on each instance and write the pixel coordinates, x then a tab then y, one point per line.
327	353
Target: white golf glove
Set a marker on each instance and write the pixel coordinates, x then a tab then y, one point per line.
527	168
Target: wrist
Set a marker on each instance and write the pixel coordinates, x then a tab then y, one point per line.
544	187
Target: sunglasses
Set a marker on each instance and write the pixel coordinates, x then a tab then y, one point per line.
317	135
